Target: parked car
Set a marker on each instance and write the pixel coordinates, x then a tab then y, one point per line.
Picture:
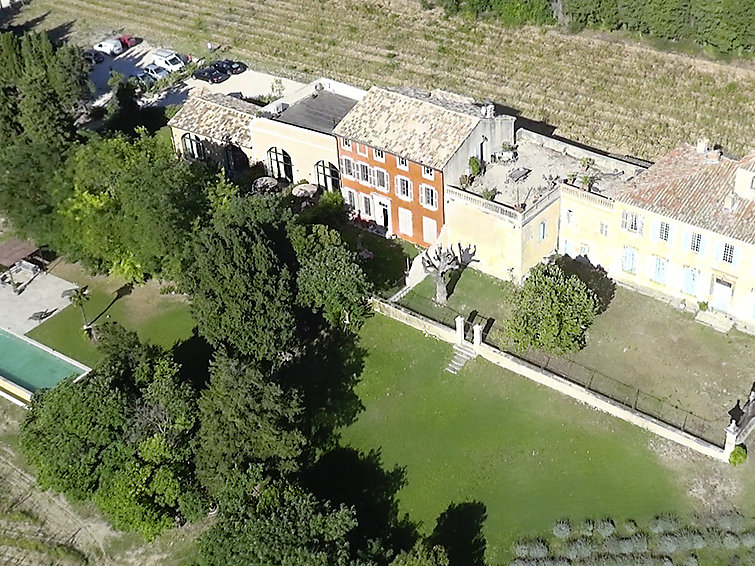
110	46
229	67
156	72
210	74
93	57
127	41
168	60
142	81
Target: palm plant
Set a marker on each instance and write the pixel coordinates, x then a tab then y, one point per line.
78	298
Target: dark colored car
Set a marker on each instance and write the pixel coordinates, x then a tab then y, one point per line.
93	57
229	67
127	41
210	75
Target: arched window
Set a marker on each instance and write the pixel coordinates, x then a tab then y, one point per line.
327	176
236	160
279	163
192	146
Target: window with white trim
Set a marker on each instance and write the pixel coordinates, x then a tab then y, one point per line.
632	222
364	173
659	273
379	155
429	230
351	198
584	249
695	242
629	259
346	144
404	188
362	149
428	197
367	206
402	163
603	229
381	179
193	146
569	216
405	221
728	253
541	231
428	172
347	167
663	231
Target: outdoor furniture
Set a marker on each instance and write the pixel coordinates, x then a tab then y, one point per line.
519	174
305	190
265	185
40	315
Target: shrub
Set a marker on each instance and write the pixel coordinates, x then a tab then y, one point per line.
586	528
579	548
730	541
605	527
488	193
689	540
562	529
666	544
629	527
636	544
531	549
690	561
663	524
747	539
738	455
731	522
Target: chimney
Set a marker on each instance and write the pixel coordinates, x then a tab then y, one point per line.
703	145
488	109
730	202
744	183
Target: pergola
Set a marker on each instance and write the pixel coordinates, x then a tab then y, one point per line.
13	251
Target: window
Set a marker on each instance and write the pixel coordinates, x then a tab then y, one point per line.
347	167
428	172
351	198
541	231
696	241
402	163
569	216
584	250
663	231
279	164
659	275
632	222
381	179
404	188
405	221
378	155
628	261
429	230
728	254
346	144
603	229
193	146
364	173
691	276
428	197
328	176
236	160
367	208
362	149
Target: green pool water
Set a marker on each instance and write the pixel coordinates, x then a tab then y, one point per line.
31	367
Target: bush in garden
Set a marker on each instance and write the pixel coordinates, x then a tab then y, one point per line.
562	529
586	528
636	544
666	544
630	527
579	548
733	522
690	561
605	527
663	524
738	455
689	540
747	539
521	549
531	549
730	541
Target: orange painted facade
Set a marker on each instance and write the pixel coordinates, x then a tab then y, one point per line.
410	206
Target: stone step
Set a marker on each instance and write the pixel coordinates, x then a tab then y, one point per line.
716	320
462	354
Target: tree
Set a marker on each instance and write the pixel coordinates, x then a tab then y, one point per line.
422	555
438	262
78	298
245	419
551	311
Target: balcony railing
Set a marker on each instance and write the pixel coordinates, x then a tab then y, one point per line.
593	198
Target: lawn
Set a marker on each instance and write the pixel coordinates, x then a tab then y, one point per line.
530	455
638	340
157	318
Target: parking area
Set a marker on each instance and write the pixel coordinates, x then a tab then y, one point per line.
249	84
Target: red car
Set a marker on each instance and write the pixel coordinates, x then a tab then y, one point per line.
127	41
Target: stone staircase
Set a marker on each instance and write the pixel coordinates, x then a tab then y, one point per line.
462	354
716	320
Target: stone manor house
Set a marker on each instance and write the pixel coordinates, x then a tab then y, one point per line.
437	167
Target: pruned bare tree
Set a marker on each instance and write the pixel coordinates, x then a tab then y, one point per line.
437	262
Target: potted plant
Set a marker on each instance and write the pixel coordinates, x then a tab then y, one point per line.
508	152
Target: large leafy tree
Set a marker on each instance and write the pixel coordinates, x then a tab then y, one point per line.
246	419
422	555
551	311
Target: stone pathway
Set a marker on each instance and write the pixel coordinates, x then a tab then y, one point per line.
462	354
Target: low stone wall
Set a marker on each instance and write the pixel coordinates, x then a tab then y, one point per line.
554	382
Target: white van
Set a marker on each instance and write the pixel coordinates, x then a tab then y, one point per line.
168	60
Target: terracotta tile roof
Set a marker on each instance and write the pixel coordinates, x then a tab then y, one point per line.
217	116
425	127
692	187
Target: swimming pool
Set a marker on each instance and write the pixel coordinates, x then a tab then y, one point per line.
26	366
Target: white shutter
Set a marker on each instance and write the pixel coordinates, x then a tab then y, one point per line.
624	220
655	235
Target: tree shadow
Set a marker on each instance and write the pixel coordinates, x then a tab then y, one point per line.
594	277
459	531
466	257
194	356
325	377
383	260
122	291
357	479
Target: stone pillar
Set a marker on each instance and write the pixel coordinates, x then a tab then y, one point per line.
460	329
477	331
731	438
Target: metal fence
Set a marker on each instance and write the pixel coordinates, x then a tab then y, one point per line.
591	379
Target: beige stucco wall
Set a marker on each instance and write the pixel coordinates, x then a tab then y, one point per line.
306	147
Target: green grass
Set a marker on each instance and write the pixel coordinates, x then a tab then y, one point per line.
639	341
159	319
530	455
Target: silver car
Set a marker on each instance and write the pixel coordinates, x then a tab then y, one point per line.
156	72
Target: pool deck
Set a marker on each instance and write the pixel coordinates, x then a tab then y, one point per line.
44	293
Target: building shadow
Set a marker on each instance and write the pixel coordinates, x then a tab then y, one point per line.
459	531
594	277
357	479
